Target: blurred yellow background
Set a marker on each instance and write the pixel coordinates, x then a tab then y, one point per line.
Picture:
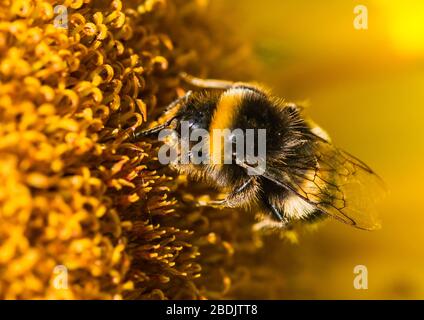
366	88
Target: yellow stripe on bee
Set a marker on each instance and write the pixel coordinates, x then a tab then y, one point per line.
223	118
227	107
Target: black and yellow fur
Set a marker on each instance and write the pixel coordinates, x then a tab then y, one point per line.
298	184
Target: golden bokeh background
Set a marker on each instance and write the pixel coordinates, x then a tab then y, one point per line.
366	88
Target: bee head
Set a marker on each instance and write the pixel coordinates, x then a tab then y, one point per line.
197	110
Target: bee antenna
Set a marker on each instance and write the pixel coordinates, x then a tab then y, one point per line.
176	102
205	83
143	133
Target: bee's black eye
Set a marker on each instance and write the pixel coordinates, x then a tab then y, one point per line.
193	124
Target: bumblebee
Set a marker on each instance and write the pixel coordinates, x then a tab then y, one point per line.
305	178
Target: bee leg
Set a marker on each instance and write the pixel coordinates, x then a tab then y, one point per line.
275	213
228	199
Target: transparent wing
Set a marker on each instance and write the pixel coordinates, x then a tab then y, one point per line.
337	184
